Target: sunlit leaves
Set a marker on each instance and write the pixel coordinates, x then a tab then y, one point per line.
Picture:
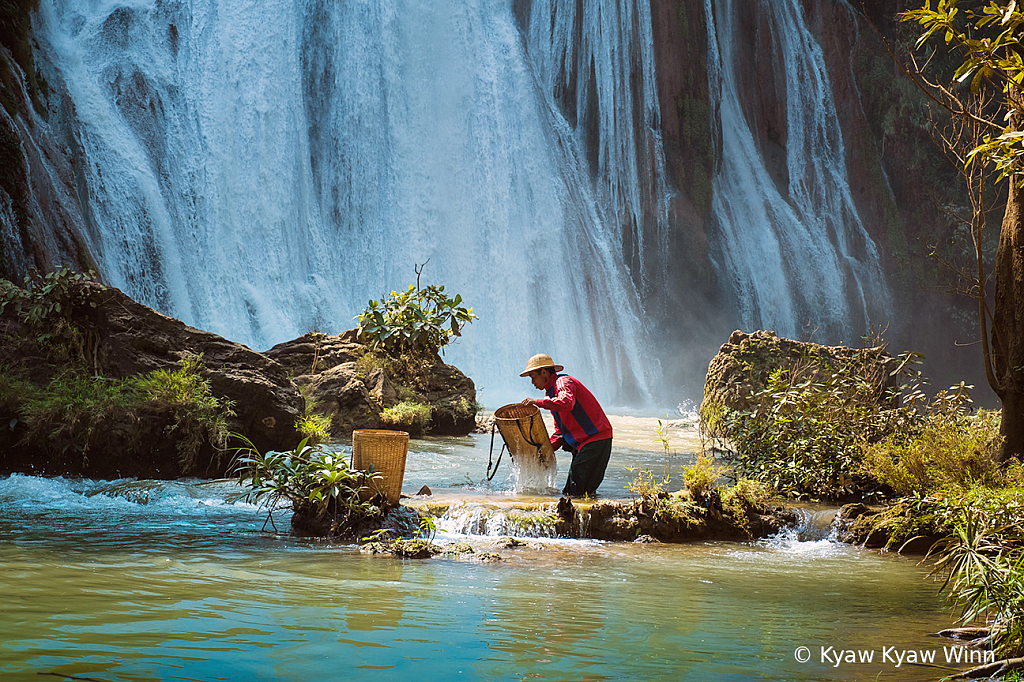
418	319
990	44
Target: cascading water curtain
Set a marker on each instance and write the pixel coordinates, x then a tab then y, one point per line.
799	260
261	169
595	64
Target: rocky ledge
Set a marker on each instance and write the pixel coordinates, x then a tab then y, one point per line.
119	338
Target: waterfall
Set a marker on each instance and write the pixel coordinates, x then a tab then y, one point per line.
796	253
261	169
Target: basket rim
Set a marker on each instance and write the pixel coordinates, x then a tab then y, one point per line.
530	410
380	432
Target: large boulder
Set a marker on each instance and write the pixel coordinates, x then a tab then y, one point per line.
121	338
354	386
118	338
743	366
134	339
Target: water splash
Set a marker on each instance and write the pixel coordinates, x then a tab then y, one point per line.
797	253
531	475
261	169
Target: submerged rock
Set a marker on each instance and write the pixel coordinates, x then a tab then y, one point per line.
673	518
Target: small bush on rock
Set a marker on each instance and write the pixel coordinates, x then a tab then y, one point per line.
407	416
806	429
321	488
415	320
701	477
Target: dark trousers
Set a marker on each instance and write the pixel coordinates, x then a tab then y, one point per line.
587	469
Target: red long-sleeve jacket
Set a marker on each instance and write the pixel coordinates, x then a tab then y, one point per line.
579	418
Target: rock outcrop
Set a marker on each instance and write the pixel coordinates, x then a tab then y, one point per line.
120	338
354	386
743	366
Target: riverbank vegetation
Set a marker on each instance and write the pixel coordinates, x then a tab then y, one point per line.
326	496
932	466
57	402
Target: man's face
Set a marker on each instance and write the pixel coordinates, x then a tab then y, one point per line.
539	377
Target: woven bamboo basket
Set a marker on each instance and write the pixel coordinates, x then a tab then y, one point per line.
522	428
377	451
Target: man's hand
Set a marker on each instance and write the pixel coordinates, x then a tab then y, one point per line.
528	401
560	443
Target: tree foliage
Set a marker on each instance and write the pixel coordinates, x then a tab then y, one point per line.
983	99
414	320
989	42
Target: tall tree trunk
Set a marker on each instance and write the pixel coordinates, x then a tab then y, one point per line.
1008	324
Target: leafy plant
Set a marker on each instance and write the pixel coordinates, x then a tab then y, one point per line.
407	415
199	416
316	428
47	301
316	483
702	476
420	319
74	408
984	578
428	527
948	450
806	428
664	437
644	485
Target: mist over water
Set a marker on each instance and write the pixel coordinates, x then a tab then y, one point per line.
263	169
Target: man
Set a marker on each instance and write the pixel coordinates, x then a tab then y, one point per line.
581	426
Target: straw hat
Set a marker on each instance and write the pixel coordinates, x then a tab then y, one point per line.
540	361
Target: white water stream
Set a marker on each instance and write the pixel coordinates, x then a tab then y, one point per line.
798	257
263	168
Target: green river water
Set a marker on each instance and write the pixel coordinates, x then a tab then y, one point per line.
132	581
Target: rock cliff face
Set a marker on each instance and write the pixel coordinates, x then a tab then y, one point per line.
743	366
43	222
898	178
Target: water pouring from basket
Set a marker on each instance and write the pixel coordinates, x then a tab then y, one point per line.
526	438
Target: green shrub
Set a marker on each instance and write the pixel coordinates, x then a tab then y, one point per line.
702	476
369	361
318	484
807	428
316	428
947	451
199	416
644	485
984	578
71	408
407	416
747	493
424	319
74	405
47	302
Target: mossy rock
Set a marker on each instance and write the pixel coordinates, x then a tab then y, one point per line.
900	527
744	365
